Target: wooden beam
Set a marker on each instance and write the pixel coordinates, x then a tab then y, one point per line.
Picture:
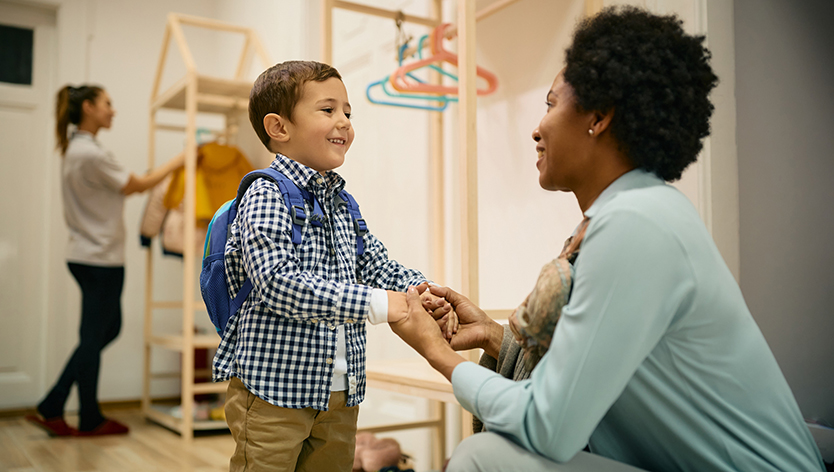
468	165
209	23
182	44
380	12
188	256
437	187
166	41
592	7
261	51
484	13
327	31
245	54
400	427
468	153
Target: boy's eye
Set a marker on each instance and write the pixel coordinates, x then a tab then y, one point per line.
348	115
327	110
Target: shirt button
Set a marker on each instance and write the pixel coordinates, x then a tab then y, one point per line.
314	321
332	327
332	252
349	321
329	360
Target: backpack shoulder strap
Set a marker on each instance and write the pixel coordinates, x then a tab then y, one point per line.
294	198
359	224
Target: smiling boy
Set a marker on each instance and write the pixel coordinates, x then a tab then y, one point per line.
295	351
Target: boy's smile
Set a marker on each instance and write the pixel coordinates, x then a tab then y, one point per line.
320	132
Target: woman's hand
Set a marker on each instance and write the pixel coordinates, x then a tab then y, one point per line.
476	330
420	331
440	309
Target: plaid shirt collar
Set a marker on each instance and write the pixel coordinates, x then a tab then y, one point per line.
307	178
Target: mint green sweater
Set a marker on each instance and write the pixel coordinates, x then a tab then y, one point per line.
656	361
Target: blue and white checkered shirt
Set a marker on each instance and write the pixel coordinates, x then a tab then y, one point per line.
282	342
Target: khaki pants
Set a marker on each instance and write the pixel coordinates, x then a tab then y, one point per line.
271	438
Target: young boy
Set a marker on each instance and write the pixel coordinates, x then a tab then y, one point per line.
295	351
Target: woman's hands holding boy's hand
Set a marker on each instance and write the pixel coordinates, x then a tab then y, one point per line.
438	307
475	330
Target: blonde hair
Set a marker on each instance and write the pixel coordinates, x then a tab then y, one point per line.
68	109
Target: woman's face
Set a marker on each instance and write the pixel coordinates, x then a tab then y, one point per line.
561	139
100	112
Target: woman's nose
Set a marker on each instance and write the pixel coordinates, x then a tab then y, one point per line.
536	136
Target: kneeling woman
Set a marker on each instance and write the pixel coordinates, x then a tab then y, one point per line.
656	360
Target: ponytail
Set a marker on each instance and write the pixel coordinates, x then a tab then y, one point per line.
68	109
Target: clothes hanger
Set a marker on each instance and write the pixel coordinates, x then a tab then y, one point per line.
420	45
439	54
444	100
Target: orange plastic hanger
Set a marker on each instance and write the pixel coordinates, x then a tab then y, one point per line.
439	54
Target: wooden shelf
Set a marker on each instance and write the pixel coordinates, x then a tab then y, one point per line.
214	95
177	342
161	416
411	377
193	94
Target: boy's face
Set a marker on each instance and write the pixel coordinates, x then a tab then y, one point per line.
321	132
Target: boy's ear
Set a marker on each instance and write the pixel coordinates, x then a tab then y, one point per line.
276	127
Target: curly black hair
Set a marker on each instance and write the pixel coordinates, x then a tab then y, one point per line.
655	77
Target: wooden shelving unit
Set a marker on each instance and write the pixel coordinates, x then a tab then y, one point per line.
195	94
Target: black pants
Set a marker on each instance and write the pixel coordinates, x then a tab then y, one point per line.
101	320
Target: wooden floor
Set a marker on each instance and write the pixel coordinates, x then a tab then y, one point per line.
148	447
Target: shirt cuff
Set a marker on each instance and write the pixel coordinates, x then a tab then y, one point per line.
378	313
467	379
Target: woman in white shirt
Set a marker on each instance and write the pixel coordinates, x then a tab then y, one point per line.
93	185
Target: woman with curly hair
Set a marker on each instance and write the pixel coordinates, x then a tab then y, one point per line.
655	360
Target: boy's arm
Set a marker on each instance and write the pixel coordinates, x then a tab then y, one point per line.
272	263
377	270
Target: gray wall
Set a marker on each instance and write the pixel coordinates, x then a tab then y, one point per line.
785	112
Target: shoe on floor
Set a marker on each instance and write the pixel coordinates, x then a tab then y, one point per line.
54	426
104	429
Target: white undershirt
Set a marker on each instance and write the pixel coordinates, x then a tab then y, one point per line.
377	314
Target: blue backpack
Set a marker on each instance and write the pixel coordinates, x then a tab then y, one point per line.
220	306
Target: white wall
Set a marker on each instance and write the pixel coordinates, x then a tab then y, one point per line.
785	96
117	43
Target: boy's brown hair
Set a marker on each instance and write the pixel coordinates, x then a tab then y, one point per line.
278	89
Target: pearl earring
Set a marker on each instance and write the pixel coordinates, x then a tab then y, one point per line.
590	132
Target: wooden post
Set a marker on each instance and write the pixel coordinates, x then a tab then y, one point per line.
327	31
592	7
468	153
187	401
437	198
438	449
245	54
148	322
468	159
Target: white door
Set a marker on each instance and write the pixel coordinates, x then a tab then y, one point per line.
25	159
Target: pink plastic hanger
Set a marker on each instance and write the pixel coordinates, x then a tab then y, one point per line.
439	54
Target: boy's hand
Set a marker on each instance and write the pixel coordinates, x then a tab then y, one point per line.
397	306
418	329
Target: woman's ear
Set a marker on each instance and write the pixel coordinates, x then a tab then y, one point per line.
276	127
87	107
600	122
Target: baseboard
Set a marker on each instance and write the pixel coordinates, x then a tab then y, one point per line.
105	406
